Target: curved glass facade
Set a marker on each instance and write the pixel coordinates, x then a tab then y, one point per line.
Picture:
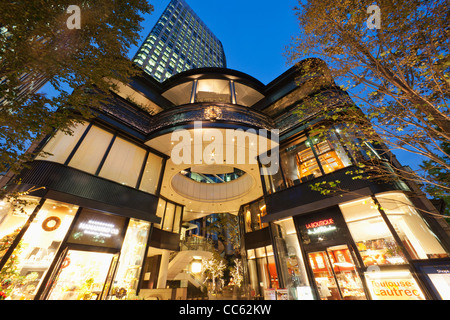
112	194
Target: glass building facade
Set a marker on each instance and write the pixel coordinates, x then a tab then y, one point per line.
179	41
109	213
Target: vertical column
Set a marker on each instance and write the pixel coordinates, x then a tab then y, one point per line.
163	269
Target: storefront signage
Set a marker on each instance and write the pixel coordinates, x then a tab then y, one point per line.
321	226
98	228
387	288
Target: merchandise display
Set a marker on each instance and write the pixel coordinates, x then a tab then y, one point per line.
335	274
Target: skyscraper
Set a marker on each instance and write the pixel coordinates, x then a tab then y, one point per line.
179	41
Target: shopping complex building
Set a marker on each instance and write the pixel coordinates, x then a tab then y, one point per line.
115	210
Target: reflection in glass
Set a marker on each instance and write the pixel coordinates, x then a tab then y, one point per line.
253	213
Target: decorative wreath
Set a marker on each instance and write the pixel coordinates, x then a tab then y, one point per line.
65	263
45	223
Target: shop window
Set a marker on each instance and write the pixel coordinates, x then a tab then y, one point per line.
131	258
123	163
262	268
61	144
372	236
213	90
336	275
82	276
292	265
152	172
13	216
252	216
415	234
24	271
308	158
91	151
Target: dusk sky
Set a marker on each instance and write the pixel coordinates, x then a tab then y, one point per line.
253	33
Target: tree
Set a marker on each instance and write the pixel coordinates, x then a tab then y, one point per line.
397	75
35	39
437	172
213	270
226	226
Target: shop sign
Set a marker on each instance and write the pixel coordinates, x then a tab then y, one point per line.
394	288
97	229
439	275
321	226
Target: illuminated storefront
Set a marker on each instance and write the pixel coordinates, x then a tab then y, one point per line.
105	212
74	249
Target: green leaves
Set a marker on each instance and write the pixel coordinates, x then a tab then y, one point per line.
37	42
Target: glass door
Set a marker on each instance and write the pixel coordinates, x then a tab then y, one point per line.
344	268
336	275
324	276
82	275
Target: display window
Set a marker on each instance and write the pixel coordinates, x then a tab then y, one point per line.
307	158
415	234
25	269
437	274
393	285
291	262
253	214
336	274
126	281
262	268
13	217
82	276
372	236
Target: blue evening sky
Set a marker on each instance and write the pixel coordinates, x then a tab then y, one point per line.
253	33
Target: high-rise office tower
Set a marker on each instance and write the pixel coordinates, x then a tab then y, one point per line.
179	41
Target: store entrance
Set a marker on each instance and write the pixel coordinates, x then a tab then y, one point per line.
83	275
335	274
